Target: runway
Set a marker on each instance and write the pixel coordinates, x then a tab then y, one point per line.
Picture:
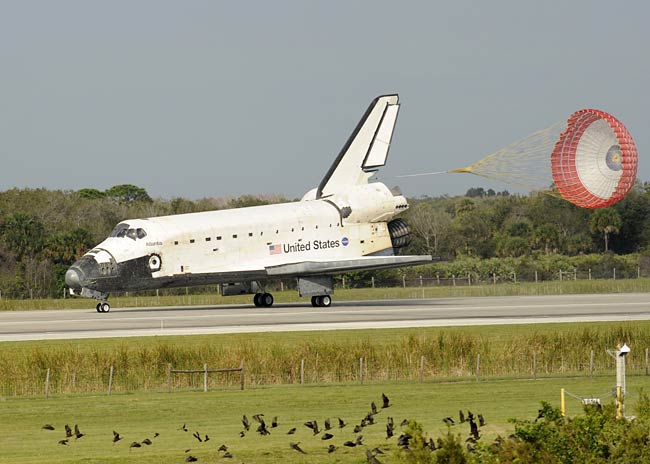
131	322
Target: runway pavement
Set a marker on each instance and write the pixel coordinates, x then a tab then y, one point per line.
70	324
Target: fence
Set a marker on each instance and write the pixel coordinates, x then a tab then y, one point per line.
366	369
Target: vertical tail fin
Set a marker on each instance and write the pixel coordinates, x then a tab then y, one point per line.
366	150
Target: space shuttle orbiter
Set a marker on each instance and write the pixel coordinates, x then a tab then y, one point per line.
344	224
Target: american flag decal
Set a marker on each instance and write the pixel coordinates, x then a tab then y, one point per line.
275	249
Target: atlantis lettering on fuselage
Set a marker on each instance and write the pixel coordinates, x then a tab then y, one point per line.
313	245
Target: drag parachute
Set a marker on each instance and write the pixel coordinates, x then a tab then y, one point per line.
595	160
591	160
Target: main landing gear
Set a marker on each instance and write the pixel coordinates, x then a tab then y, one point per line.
321	301
264	300
103	307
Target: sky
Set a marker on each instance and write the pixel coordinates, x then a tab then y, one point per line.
216	99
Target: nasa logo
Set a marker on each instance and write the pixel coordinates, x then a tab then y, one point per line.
345	241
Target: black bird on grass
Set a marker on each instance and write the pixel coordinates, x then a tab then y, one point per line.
350	444
68	431
328	425
404	440
242	434
326	436
223	448
371	458
389	431
156	434
77	433
147	442
373	407
244	421
262	430
385	401
206	438
449	421
481	420
134	444
359	440
197	436
461	416
376	451
48	427
191	458
63	442
331	448
358	428
291	431
431	444
227	455
116	437
342	423
404	423
258	417
473	430
295	446
313	425
183	428
274	422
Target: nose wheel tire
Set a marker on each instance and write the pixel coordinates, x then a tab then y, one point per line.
103	307
321	301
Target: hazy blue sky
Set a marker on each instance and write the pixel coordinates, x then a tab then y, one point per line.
209	98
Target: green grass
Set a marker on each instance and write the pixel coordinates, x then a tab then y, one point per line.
450	353
218	414
289	296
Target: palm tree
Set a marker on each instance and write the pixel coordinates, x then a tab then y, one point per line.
605	221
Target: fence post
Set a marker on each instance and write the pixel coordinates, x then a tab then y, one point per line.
469	279
591	364
535	275
514	277
589	273
47	384
438	279
646	361
372	279
534	365
494	278
241	378
403	281
560	275
478	366
614	273
453	280
302	371
575	273
169	378
205	378
343	282
421	369
110	381
361	370
420	280
638	272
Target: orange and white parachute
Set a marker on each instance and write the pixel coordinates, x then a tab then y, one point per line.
591	160
594	162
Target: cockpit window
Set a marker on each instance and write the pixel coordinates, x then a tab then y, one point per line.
123	230
120	230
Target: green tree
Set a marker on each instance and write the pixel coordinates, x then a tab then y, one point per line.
605	221
127	193
90	193
23	234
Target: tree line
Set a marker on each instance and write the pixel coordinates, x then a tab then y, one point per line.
42	232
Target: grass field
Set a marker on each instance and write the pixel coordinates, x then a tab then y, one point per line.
218	414
288	296
449	353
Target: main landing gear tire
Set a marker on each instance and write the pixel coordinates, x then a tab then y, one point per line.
264	300
321	301
103	307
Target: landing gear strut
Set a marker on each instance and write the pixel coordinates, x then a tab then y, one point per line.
322	301
264	300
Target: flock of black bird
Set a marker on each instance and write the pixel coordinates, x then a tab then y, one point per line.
326	433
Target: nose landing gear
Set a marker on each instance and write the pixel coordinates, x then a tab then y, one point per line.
103	307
